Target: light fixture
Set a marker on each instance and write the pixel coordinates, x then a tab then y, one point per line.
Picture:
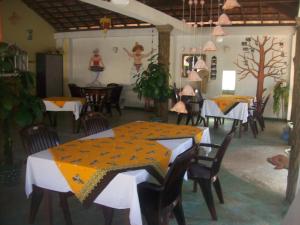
218	31
209	46
224	20
201	65
187	91
194	76
230	4
120	2
179	107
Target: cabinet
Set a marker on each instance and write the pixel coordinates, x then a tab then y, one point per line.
49	80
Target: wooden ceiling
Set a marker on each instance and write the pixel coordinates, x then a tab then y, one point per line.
73	15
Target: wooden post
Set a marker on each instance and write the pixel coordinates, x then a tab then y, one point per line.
164	33
295	140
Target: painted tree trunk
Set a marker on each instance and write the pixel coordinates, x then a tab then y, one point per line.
260	77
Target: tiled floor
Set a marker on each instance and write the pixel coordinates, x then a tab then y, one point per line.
253	190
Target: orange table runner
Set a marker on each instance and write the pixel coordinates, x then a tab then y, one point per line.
60	101
89	165
154	130
227	102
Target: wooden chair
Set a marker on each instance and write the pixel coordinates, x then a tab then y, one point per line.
156	199
206	175
94	122
75	90
95	99
114	99
259	113
36	138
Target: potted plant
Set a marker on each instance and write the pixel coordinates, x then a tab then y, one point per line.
280	97
18	105
153	84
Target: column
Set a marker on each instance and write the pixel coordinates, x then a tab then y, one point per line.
295	117
164	34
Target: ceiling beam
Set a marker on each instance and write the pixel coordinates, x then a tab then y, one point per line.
142	12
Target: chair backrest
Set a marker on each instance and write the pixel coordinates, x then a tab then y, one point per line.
94	122
173	180
75	90
38	137
112	85
115	93
95	96
221	152
265	102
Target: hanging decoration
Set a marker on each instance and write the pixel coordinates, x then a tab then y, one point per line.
201	65
187	91
194	76
224	20
213	68
210	45
231	4
105	24
218	31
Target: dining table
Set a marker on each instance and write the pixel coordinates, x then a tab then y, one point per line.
44	171
234	107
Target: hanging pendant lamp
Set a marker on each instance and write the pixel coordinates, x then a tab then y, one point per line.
218	31
209	46
120	2
194	76
187	91
200	65
224	20
179	107
230	4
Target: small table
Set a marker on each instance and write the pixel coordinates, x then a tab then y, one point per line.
120	193
64	104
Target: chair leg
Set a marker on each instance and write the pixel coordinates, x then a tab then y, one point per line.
36	199
252	126
48	206
218	189
108	214
118	108
179	214
205	186
65	207
179	118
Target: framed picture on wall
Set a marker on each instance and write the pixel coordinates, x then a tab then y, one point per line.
188	61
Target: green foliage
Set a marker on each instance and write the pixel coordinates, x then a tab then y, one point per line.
153	82
280	96
18	104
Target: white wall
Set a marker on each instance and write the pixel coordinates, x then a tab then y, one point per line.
118	65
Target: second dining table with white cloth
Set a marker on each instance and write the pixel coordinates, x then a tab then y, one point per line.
239	112
120	193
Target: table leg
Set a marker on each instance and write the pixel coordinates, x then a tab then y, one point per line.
48	206
36	198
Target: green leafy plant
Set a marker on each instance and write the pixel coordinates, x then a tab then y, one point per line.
18	105
280	97
153	83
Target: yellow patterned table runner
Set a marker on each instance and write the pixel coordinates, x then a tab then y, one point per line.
154	130
227	102
89	165
60	101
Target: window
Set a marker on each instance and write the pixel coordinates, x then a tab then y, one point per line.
228	81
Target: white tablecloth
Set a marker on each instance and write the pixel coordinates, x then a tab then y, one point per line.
72	106
239	112
120	193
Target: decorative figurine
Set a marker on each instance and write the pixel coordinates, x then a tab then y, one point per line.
96	65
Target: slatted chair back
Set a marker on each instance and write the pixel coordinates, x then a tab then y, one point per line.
75	90
265	102
216	164
94	122
38	137
95	99
173	180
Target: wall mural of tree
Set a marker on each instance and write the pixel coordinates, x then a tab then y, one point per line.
263	57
